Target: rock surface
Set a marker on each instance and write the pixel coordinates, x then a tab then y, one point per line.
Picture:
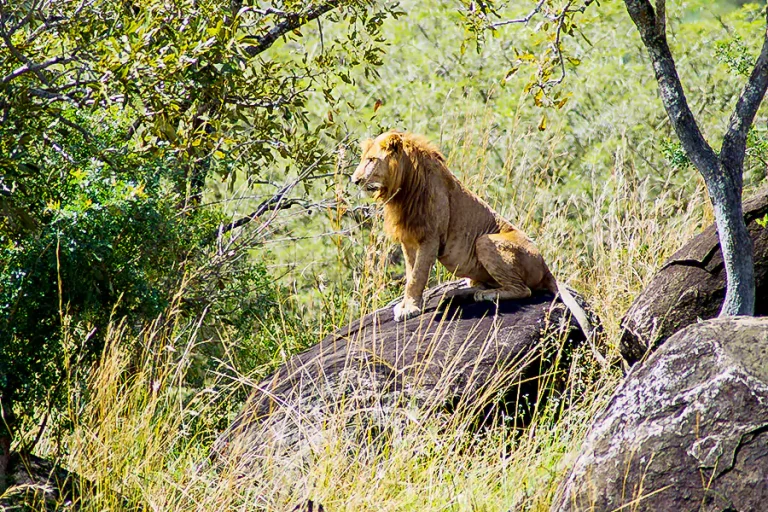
691	286
458	355
687	430
39	484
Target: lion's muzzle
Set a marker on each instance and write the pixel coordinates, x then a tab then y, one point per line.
362	177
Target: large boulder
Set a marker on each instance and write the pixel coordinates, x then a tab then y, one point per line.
691	286
39	484
476	358
687	430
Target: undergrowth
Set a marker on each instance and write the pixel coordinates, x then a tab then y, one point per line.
143	435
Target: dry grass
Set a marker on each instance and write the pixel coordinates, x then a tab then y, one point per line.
143	438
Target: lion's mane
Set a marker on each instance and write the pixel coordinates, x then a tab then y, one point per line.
415	172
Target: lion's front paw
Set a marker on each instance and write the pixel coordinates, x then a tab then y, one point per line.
405	310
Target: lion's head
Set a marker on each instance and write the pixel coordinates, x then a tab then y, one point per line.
380	172
403	170
396	161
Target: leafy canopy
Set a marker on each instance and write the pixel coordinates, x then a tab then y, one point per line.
113	116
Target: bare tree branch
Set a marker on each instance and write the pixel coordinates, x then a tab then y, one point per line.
35	68
558	49
274	203
524	19
292	22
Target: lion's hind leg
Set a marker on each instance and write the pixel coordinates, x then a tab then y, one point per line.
508	258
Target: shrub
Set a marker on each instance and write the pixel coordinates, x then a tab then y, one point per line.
82	243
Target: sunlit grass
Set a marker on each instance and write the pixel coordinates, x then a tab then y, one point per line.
143	437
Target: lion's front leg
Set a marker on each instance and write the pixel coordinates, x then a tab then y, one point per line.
419	260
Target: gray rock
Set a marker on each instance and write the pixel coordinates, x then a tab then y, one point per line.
475	358
686	430
691	286
39	484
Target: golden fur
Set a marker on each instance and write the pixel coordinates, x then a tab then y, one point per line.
409	213
434	217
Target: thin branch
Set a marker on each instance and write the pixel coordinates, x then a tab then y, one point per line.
58	149
88	137
561	20
322	40
31	9
48	24
734	142
48	95
271	10
275	203
292	22
272	204
524	19
661	16
35	68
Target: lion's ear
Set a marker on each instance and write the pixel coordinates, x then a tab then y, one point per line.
392	142
366	145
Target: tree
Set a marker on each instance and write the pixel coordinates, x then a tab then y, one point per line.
114	114
722	172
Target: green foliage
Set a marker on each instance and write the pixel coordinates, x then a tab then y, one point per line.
196	81
735	55
98	244
113	117
675	154
545	54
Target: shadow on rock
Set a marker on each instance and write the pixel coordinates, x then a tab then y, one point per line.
39	484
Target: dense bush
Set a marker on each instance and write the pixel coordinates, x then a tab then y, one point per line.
113	118
82	242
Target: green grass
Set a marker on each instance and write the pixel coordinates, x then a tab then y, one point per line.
143	436
595	190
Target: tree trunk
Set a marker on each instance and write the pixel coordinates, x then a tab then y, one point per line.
735	242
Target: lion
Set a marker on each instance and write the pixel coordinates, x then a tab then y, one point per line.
435	217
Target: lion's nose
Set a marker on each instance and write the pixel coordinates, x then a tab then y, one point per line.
355	179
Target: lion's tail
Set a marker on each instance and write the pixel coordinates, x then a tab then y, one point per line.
577	311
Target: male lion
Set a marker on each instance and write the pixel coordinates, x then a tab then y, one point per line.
434	217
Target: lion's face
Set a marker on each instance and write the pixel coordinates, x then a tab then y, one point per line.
378	166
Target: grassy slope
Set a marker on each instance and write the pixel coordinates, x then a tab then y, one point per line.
594	189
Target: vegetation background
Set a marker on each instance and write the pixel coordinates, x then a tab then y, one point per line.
140	297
